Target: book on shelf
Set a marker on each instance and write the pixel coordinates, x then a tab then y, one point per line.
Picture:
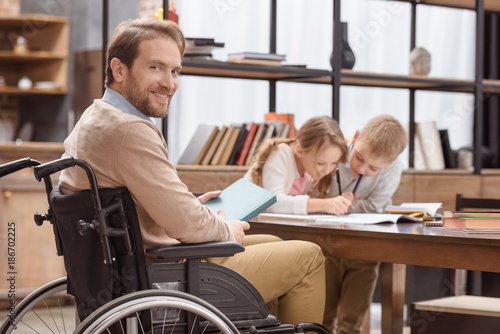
255	143
472	214
252	129
242	200
351	218
198	47
224	160
256	62
430	145
235	154
449	155
213	147
285	118
283	133
486	223
429	209
199	144
222	146
256	55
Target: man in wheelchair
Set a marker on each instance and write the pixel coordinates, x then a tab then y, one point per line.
117	137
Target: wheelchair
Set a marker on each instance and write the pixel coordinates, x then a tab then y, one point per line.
98	234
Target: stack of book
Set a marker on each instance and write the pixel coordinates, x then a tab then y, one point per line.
256	58
233	144
201	48
479	223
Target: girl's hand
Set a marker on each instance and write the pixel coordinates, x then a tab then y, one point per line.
334	206
339	205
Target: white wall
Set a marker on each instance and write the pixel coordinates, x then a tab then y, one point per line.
379	33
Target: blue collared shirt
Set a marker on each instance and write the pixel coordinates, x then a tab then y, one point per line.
117	100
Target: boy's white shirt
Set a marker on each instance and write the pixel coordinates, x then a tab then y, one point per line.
375	192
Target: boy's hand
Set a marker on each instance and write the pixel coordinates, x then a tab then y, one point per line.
209	195
351	197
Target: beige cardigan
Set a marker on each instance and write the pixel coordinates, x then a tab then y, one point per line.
125	150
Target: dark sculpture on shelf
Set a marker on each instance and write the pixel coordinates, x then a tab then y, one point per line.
347	58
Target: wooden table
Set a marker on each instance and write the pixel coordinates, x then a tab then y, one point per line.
395	245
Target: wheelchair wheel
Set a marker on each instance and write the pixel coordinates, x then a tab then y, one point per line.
156	311
46	310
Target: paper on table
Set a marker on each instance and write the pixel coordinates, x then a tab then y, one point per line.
430	208
352	218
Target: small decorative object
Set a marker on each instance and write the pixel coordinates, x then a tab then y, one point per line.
21	45
420	61
465	159
25	83
2	82
347	58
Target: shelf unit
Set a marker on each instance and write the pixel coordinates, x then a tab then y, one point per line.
46	58
336	79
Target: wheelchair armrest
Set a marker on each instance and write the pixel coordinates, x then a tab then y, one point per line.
196	250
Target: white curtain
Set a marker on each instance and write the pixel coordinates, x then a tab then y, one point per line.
379	34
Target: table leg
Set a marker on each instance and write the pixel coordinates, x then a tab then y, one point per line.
392	287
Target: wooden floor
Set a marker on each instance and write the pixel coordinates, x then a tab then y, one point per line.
375	316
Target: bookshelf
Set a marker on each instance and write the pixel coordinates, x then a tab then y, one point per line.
44	62
46	58
478	86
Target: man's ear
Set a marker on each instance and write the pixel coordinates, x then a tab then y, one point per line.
355	137
117	67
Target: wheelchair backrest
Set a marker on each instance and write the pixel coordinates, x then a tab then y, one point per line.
103	250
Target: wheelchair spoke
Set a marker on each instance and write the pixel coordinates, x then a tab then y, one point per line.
43	322
51	316
206	326
25	324
176	320
121	325
194	323
60	312
140	322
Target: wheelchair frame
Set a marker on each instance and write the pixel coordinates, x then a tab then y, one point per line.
132	302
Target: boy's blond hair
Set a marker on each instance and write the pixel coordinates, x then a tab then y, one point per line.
385	136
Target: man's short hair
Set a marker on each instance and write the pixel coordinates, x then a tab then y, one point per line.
128	34
385	136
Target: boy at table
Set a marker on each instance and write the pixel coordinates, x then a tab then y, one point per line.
374	168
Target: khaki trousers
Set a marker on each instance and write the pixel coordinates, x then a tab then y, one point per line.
349	291
290	272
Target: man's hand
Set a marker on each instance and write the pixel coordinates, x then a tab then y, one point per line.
238	227
209	195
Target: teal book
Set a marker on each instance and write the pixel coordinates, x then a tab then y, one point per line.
242	200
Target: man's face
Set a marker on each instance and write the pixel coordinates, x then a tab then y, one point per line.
153	78
362	160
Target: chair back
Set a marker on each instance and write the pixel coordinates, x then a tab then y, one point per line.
465	203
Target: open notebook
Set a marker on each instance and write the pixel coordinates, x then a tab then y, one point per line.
352	218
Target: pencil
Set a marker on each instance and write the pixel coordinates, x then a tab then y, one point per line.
338	182
357	184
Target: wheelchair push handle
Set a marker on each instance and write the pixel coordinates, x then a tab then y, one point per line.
17	165
55	166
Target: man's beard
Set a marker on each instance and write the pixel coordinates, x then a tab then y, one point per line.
139	98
